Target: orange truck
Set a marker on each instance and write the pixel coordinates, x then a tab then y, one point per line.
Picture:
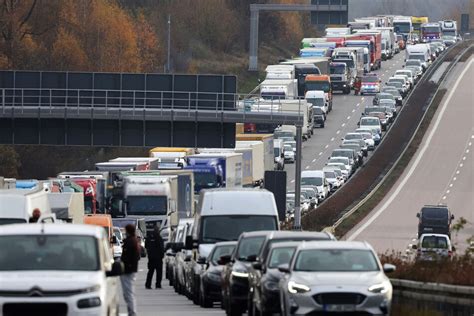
321	83
102	220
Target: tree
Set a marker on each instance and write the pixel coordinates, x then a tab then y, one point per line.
9	162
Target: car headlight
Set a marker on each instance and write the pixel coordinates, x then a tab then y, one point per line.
294	288
240	274
89	302
380	288
214	277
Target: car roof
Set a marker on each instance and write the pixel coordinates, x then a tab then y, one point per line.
225	243
300	234
255	233
312	173
285	244
53	229
335	245
434	235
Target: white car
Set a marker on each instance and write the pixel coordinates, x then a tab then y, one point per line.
333	178
408	73
61	266
117	243
342	167
433	247
288	153
371	122
317	179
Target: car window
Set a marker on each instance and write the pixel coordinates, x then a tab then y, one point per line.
249	246
332	260
436	242
280	256
220	251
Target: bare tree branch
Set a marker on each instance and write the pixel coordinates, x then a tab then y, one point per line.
28	16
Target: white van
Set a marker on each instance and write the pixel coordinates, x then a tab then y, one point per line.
55	269
317	179
318	99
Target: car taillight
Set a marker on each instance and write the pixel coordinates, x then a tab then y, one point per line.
450	253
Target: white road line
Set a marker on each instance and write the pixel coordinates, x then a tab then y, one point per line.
362	98
470	143
292	181
444	197
464	158
332	139
457	172
402	184
460	165
320	153
314	159
447	191
307	167
343	124
451	185
467	151
357	104
338	132
454	179
348	117
326	146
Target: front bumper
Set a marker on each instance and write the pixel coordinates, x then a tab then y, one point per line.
306	303
212	289
239	291
370	89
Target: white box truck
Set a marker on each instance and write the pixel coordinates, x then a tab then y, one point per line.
274	89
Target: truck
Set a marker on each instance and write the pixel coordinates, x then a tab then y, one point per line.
402	25
354	26
67	206
341	78
302	70
337	31
267	139
366	46
171	157
421	52
278	154
353	57
375	38
121	166
271	89
449	27
249	178
370	22
153	197
153	162
416	22
322	63
315	52
257	157
220	170
322	83
339	40
388	37
17	205
429	32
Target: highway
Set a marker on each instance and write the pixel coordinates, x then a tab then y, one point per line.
343	118
441	172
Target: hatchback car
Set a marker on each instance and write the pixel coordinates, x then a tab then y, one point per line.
432	247
335	277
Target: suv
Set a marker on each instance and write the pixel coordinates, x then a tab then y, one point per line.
434	247
434	219
319	117
57	269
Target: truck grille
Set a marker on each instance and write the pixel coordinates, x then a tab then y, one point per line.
37	309
339	298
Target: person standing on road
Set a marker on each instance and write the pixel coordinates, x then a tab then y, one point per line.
156	250
130	257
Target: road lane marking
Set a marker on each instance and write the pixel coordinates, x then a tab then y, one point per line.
467	151
320	153
292	181
357	104
451	185
460	165
326	146
343	124
444	197
447	191
348	118
314	159
353	110
464	158
417	160
332	139
454	179
362	98
338	131
307	167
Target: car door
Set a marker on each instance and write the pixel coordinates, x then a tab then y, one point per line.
111	282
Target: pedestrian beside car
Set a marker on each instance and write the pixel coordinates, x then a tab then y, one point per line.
130	257
156	251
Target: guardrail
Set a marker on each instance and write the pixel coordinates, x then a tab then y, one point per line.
384	157
433	297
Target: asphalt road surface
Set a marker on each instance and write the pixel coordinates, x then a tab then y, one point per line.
441	172
343	119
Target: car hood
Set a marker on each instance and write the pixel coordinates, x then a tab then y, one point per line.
339	278
49	280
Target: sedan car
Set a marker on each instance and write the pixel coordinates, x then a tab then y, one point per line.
375	136
396	94
211	277
335	277
372	123
288	153
382	96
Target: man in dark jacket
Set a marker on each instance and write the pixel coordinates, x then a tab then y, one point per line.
130	256
156	251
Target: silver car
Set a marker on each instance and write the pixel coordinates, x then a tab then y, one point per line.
335	276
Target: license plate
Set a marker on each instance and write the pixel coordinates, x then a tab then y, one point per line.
339	308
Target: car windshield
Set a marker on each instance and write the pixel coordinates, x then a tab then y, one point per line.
7	221
318	111
370	121
401	27
249	246
370	79
147	205
330	174
352	136
335	260
430	29
280	256
122	222
205	179
314	181
436	242
342	153
316	101
395	84
385	96
287	148
49	252
404	73
220	251
339	160
418	57
276	151
338	165
229	227
402	81
413	63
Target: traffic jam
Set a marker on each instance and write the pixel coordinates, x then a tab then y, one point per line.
71	243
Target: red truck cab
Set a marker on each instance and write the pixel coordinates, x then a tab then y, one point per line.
89	186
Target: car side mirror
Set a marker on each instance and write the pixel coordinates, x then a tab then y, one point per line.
201	260
452	216
284	268
418	215
257	265
389	268
414	247
117	269
113	240
453	248
223	260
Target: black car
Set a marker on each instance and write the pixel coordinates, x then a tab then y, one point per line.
435	219
235	285
319	117
264	296
211	277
